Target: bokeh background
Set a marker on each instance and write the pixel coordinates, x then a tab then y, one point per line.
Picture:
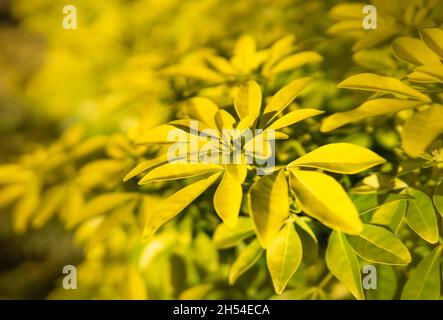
105	81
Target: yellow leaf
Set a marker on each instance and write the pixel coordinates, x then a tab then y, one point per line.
433	37
278	50
136	288
373	82
424	282
227	200
10	193
101	205
296	61
294	117
268	203
421	129
173	171
248	99
347	11
368	109
89	146
197	292
378	245
221	64
284	256
12	173
194	71
225	237
340	27
286	95
51	202
189	125
224	120
324	199
421	77
107	172
414	51
430	73
247	258
25	207
73	204
246	123
340	157
202	109
343	263
175	203
244	53
146	165
160	135
420	215
373	38
238	171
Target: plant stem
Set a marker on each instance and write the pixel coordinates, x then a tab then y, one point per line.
325	280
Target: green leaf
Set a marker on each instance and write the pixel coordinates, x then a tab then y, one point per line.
227	199
414	51
390	214
424	282
323	198
343	263
421	129
225	237
340	157
247	258
379	183
433	37
295	294
376	244
175	203
268	203
248	99
420	216
172	171
438	197
284	256
294	117
373	82
386	284
368	109
308	239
